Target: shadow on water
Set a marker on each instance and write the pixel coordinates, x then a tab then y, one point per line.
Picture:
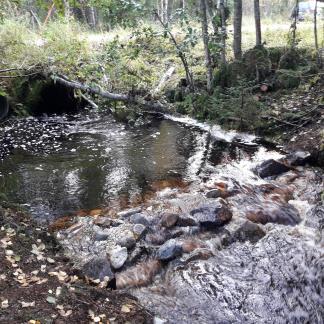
105	161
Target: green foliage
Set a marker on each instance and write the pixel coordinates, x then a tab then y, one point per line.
233	106
287	79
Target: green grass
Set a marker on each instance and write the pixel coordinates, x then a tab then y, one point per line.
115	60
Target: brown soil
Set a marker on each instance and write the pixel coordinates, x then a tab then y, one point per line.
54	293
298	117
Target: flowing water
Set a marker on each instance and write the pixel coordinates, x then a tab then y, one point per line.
271	273
101	161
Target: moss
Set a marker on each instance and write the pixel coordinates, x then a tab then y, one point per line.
275	53
257	63
287	79
290	60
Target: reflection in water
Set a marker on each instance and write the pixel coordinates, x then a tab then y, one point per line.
104	160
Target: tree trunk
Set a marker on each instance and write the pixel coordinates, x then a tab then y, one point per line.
128	98
257	22
237	44
212	10
180	53
294	24
208	62
223	34
319	59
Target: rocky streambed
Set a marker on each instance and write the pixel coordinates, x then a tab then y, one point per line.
199	224
233	248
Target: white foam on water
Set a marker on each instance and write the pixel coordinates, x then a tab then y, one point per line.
215	130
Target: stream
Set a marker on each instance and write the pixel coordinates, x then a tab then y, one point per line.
180	213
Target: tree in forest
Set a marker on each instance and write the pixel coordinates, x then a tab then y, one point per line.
237	23
222	10
257	17
293	27
318	54
205	36
180	49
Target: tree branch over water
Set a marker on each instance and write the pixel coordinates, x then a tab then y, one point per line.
128	98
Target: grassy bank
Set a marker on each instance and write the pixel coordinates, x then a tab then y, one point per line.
134	61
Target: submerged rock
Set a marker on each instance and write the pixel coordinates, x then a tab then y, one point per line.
186	220
157	238
139	230
271	168
169	250
139	219
214	193
212	214
243	230
98	268
169	220
129	212
299	158
118	257
284	214
139	275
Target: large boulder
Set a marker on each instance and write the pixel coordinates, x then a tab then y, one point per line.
290	60
287	79
284	214
299	158
271	168
212	214
257	63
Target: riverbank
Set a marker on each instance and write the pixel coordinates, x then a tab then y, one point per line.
38	284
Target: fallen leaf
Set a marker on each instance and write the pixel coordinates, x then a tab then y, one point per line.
5	304
65	314
27	304
125	309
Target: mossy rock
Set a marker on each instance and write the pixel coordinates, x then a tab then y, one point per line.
257	63
287	79
275	54
290	60
229	75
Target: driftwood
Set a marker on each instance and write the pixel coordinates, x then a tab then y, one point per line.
127	98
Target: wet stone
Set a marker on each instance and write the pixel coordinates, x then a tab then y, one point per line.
100	236
139	230
244	231
186	220
211	215
299	158
284	214
214	193
128	241
129	212
169	220
139	219
98	268
118	257
271	168
169	250
156	238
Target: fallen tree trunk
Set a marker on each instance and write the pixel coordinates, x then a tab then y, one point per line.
127	98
